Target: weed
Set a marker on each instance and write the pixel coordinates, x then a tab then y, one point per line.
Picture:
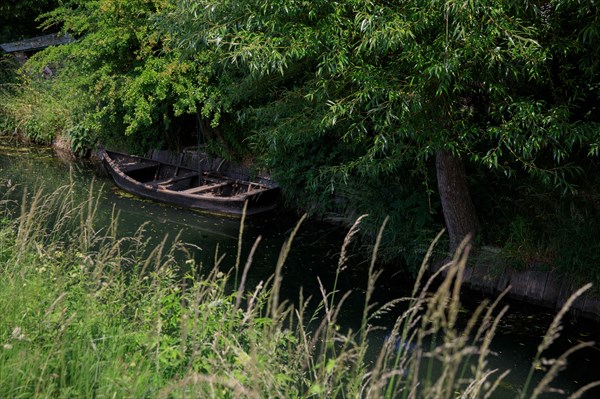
86	314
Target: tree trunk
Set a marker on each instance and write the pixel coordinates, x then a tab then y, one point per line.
459	212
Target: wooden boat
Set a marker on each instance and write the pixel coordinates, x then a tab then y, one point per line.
207	191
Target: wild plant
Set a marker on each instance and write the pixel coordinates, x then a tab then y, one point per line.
87	313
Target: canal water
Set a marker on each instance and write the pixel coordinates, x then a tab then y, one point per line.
314	254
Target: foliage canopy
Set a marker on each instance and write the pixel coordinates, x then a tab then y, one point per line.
341	98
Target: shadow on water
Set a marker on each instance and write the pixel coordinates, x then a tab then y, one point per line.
314	255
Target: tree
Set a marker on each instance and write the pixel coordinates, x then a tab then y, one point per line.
397	82
455	80
336	95
128	87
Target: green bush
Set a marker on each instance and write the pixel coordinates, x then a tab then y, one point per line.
35	112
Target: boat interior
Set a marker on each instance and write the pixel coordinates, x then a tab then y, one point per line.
183	180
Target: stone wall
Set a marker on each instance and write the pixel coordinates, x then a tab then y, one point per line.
547	288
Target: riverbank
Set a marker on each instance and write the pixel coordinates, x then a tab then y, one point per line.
86	315
535	285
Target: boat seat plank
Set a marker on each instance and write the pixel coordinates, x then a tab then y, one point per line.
174	179
200	189
127	168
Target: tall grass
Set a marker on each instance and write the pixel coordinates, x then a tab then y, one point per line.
88	314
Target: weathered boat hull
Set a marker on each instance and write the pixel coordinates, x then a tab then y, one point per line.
199	190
